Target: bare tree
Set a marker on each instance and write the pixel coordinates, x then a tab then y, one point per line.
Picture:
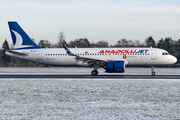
82	43
61	38
44	44
102	43
124	43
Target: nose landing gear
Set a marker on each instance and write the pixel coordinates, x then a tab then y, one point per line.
152	71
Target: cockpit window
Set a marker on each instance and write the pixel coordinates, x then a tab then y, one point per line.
165	53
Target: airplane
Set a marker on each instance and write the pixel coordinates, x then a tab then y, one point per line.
113	60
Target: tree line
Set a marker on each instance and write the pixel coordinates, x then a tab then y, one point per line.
172	46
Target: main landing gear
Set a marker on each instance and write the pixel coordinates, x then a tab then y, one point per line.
153	73
94	72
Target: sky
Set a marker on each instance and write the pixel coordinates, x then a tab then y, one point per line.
108	20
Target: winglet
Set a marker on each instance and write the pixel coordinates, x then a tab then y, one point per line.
67	50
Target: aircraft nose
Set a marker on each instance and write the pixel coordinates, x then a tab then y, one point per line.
173	59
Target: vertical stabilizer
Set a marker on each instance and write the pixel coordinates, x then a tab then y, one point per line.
20	39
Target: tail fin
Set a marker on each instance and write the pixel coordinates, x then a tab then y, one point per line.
20	39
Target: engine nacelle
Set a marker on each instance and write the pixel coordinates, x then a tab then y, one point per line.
115	66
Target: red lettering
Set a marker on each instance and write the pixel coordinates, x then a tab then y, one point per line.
112	51
102	51
123	51
127	51
133	51
107	51
118	51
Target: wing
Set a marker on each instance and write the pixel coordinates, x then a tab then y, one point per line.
84	59
89	60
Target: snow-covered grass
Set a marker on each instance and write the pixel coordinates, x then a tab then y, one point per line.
89	99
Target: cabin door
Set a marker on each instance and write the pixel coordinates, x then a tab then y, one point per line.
40	55
153	54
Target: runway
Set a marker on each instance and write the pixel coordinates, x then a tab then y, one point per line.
90	77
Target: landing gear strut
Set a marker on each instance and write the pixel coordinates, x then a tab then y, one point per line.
94	73
153	73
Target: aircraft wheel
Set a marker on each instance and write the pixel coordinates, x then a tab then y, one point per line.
153	73
94	73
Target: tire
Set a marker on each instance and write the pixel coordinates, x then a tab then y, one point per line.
153	73
94	73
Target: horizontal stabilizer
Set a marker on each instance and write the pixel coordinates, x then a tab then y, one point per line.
17	53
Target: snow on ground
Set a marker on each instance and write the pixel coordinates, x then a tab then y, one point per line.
89	99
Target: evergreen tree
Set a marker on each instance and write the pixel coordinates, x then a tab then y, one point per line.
178	49
167	44
150	42
6	59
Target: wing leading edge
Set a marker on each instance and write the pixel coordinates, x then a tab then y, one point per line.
89	60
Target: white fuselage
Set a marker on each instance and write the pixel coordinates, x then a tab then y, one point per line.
134	56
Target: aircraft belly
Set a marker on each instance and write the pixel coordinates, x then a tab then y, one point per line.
66	60
135	61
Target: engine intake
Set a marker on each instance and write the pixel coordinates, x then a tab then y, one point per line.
115	66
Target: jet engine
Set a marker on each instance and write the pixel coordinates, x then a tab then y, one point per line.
115	66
